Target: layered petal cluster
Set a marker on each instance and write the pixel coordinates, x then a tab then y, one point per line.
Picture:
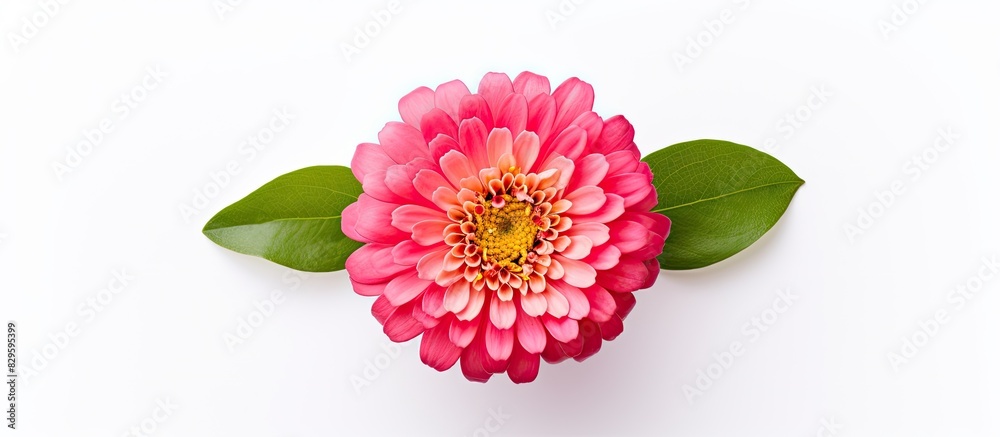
507	225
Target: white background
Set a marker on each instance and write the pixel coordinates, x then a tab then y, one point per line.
823	366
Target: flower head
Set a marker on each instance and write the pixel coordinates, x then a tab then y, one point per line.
505	226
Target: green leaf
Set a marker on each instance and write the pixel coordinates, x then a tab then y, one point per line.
293	220
720	197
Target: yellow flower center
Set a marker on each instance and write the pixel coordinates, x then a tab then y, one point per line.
506	234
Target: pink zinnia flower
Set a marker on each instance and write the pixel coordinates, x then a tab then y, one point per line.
504	226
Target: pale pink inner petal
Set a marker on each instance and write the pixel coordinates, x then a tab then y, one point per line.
499	143
502	313
499	342
534	304
530	333
562	329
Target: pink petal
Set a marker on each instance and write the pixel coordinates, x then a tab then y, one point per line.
602	305
446	278
437	122
375	221
475	106
629	236
553	352
650	200
591	337
418	313
415	104
574	347
373	264
632	187
612	328
586	200
502	312
536	283
445	198
382	309
498	143
617	134
558	305
526	148
566	169
401	325
448	97
494	88
369	157
427	182
624	302
461	332
456	166
523	366
598	233
472	310
489	363
579	306
622	162
652	249
403	288
499	342
513	113
578	274
570	143
430	265
613	208
541	114
652	272
437	351
409	252
433	301
399	180
441	145
592	170
629	275
456	297
363	289
655	222
402	142
648	203
555	272
474	361
374	185
405	216
529	84
563	329
429	232
472	135
349	220
561	243
605	257
534	304
578	248
573	97
592	124
531	334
